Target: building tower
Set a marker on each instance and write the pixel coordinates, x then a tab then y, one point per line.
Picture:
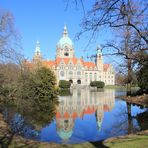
65	46
99	59
37	55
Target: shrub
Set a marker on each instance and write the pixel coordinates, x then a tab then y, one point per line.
64	84
38	85
98	84
37	94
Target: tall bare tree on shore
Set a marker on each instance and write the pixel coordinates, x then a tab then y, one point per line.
10	55
9	38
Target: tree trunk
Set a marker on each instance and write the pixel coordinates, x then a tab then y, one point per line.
129	77
130	123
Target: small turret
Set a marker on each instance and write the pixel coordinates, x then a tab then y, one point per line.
37	55
65	33
37	49
99	51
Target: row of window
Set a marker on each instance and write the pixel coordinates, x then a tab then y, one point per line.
109	81
71	67
66	49
109	76
62	73
87	75
90	75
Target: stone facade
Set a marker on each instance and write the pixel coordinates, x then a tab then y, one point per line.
67	67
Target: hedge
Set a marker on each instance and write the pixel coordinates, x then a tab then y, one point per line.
64	84
98	84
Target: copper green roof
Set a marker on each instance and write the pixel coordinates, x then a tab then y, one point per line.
65	40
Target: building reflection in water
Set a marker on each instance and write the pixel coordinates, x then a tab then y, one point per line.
81	102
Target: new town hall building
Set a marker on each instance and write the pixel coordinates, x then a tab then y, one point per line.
68	67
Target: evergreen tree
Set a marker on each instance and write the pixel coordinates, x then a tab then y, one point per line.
37	93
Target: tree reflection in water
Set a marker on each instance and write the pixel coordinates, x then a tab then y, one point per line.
126	119
27	118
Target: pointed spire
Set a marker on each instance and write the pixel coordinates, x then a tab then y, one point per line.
99	124
37	49
99	50
99	117
65	33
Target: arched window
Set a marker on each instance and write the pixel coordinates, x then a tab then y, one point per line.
70	73
78	81
78	73
66	54
90	75
70	66
66	48
62	73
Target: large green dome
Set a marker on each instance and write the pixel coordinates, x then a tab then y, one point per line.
65	40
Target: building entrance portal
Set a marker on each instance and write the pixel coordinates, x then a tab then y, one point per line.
71	81
78	81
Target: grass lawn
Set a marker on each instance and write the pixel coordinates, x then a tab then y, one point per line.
135	141
119	87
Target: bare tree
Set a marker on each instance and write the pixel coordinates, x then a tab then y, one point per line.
10	55
9	38
126	50
113	13
116	15
126	18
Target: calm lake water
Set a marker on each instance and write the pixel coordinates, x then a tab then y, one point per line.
87	115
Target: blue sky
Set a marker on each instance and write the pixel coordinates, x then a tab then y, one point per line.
44	20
